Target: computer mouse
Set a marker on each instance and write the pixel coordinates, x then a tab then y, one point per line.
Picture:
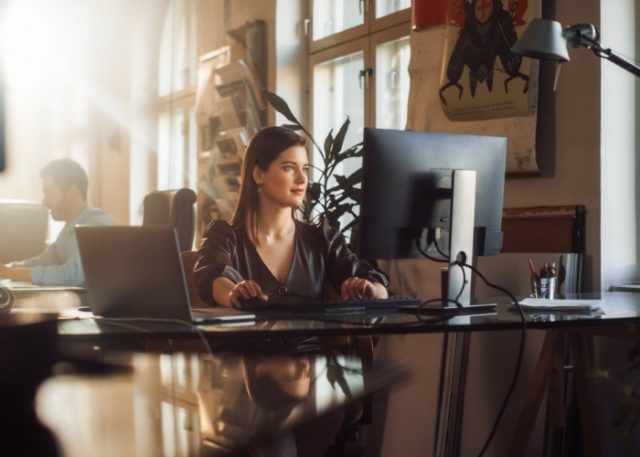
252	303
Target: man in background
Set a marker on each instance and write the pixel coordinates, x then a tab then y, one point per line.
64	188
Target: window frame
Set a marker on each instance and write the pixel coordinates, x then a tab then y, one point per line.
363	38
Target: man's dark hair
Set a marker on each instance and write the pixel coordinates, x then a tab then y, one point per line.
65	172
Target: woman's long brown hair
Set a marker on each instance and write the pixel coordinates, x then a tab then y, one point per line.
262	150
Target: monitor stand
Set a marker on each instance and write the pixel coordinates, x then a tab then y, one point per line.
457	286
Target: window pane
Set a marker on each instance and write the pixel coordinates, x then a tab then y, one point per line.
392	83
386	7
171	74
337	94
171	151
333	16
192	153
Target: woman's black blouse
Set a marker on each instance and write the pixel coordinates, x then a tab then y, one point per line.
321	255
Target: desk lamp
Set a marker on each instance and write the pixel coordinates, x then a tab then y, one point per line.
547	40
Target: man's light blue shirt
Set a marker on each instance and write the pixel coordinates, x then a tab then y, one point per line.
60	264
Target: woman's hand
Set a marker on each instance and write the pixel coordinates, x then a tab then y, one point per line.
228	293
245	290
357	288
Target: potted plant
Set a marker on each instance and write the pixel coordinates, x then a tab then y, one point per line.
330	194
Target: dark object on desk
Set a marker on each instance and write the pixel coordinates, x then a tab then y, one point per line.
452	182
439	310
28	351
342	307
419	165
175	208
23	231
134	272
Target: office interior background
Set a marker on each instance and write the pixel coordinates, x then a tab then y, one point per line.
113	83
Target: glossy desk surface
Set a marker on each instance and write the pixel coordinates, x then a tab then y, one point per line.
616	307
155	400
185	404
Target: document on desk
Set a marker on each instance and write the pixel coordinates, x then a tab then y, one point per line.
573	305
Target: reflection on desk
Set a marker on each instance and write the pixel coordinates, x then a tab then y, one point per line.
189	404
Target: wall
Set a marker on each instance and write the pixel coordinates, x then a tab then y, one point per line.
576	178
577	141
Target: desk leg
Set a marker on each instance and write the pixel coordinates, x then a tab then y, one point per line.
588	425
453	375
535	393
556	417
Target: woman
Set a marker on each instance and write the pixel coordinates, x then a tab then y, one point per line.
265	255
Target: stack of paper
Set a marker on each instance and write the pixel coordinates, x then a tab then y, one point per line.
542	304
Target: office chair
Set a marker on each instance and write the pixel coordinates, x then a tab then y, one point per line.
175	208
23	230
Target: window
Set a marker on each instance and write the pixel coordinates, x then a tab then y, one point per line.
359	57
176	152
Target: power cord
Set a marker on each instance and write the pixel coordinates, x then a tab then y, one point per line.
516	373
425	253
461	262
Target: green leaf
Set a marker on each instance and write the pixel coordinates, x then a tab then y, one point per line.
353	151
328	142
314	190
281	106
350	181
339	140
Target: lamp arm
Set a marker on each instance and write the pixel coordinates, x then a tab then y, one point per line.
611	56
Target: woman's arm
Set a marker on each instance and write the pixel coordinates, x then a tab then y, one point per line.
353	277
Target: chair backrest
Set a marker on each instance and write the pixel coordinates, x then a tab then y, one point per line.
23	230
175	208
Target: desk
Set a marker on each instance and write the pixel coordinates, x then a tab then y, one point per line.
621	309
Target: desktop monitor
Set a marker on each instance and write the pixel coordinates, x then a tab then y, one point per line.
408	188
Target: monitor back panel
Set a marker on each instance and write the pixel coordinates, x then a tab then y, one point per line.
134	271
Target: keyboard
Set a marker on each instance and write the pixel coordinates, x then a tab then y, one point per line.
352	306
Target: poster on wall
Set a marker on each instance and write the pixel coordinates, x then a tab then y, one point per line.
481	78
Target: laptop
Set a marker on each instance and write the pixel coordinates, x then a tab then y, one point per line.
136	272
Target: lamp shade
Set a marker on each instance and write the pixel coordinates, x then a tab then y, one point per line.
543	39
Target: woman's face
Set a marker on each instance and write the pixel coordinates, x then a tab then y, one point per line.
285	181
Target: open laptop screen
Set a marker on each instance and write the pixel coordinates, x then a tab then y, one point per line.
134	271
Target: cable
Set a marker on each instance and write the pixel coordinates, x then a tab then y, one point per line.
432	241
516	373
425	254
435	243
464	281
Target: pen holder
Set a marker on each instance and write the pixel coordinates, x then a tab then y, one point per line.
544	287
